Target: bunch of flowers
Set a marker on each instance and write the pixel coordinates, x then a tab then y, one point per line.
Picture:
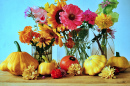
104	22
60	24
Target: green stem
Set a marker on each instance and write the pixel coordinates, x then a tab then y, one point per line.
46	60
117	54
18	46
104	43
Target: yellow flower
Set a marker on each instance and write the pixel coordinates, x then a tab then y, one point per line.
107	73
30	73
48	7
60	0
43	41
103	21
75	69
46	31
54	16
56	64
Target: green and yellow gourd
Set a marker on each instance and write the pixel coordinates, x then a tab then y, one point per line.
16	62
118	61
94	64
46	67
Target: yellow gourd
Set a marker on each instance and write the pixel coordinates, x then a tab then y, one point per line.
94	64
16	62
46	67
118	61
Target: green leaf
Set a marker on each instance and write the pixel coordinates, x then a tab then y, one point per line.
83	33
114	16
114	3
108	9
99	10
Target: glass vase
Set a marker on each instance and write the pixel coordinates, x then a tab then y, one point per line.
79	50
37	53
107	46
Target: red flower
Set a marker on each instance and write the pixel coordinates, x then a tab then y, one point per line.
117	70
70	43
56	74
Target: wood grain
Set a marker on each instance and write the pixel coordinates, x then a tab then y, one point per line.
7	79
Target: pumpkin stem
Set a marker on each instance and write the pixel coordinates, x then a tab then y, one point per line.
18	46
117	54
46	60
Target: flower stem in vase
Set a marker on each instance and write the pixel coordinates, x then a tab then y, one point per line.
104	43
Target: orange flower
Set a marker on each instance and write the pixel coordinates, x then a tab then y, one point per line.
27	35
42	41
70	43
46	31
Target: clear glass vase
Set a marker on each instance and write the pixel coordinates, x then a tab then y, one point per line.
37	53
79	50
107	46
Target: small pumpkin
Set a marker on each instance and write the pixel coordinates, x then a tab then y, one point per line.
118	61
16	62
94	64
46	67
67	61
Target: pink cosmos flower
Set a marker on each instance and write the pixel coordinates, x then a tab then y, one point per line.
71	17
90	16
39	14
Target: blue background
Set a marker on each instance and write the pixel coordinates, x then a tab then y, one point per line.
12	20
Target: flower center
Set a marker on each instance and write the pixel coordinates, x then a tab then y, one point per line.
52	33
42	18
57	16
71	16
42	40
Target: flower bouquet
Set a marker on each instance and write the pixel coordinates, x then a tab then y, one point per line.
59	24
67	25
105	20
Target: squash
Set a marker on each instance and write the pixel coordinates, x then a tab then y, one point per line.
67	61
118	61
46	67
94	64
16	62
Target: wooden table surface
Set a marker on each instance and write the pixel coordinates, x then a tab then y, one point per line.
7	79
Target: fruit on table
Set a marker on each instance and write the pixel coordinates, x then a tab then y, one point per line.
67	61
118	61
46	67
16	62
94	64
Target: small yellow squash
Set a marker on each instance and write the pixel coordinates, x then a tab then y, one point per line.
46	67
94	64
118	61
16	62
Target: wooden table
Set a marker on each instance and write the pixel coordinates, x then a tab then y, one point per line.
7	79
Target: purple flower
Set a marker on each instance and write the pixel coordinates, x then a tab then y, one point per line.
104	4
63	72
27	10
43	77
